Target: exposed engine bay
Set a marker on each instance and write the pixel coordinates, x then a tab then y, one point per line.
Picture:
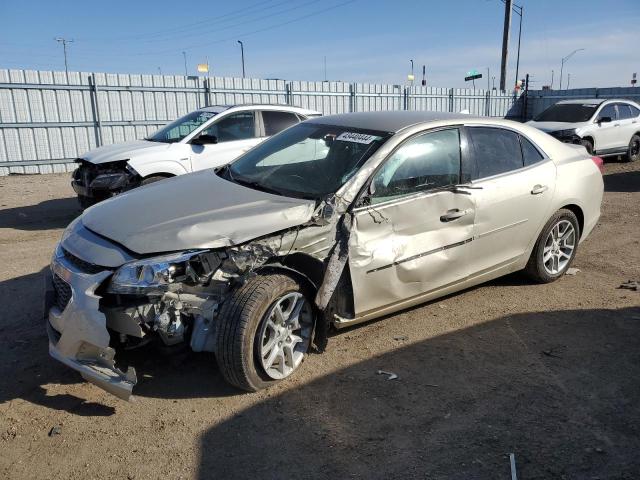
96	182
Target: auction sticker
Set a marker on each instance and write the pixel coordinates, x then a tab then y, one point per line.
357	137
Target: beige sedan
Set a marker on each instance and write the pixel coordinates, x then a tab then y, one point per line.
334	221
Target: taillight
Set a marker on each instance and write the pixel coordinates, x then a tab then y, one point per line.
599	163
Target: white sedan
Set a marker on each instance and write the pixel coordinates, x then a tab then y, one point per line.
332	222
208	137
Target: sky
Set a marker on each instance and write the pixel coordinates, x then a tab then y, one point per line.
370	41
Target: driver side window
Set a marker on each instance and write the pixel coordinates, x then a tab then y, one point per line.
237	126
608	111
422	163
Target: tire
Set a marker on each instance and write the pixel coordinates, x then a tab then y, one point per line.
588	144
540	267
153	179
633	152
244	326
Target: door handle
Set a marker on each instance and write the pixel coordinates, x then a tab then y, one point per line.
616	124
452	215
538	189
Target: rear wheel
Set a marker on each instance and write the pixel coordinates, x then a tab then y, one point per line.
588	144
264	331
555	248
633	153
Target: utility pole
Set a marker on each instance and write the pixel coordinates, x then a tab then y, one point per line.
184	54
505	43
488	86
64	42
325	68
242	53
551	79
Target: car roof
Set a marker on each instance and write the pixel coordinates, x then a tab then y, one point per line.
259	106
389	121
588	101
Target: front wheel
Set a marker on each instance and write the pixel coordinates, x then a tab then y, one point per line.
633	153
555	248
264	331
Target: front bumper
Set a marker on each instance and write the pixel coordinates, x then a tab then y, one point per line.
77	330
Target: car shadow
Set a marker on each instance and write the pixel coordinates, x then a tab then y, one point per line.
623	182
46	215
559	389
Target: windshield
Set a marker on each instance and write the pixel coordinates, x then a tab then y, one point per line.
307	160
567	112
180	128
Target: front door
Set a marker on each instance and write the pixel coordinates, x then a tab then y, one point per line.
515	185
411	232
235	133
606	133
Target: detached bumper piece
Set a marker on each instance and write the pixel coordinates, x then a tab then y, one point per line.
77	330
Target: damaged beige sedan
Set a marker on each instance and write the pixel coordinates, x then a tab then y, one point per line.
334	221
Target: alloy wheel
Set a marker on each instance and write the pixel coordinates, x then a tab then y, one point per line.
559	247
285	335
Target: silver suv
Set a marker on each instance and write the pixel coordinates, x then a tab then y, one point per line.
604	127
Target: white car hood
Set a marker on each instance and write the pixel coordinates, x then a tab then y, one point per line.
197	210
555	126
123	151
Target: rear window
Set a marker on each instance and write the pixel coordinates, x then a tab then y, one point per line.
275	122
530	154
567	112
496	151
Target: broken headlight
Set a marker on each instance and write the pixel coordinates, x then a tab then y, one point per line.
155	275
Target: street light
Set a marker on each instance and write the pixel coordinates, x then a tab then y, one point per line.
411	77
64	42
242	53
564	60
519	10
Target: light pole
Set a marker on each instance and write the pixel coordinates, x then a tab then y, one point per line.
242	53
564	60
64	42
411	77
184	54
519	37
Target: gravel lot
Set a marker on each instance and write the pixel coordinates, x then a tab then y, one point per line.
550	373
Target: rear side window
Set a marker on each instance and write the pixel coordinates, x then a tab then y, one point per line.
530	154
275	122
634	111
496	151
624	111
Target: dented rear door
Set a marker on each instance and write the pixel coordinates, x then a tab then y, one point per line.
414	235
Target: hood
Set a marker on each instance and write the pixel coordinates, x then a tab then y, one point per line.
555	126
122	151
197	210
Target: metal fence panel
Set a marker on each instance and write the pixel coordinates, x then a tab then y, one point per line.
47	119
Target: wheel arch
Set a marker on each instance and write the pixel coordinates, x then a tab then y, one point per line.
577	211
305	268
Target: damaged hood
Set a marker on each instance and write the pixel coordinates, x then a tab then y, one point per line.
123	151
555	126
198	210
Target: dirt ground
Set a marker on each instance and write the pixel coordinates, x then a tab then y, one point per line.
550	373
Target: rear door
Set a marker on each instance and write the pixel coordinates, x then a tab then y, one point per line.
516	184
628	124
411	235
236	133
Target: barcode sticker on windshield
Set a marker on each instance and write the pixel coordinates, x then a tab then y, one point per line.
357	137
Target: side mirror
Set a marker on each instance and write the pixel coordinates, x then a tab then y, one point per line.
204	139
604	120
